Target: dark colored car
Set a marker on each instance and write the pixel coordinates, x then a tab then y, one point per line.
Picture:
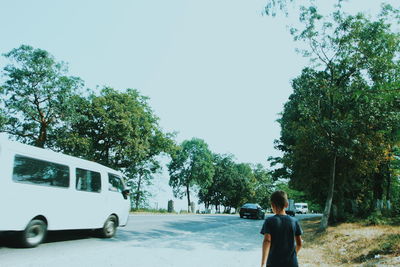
290	212
250	210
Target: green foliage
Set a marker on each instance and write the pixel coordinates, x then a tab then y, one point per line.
119	130
116	129
3	120
240	189
150	210
345	107
274	6
263	187
35	95
222	179
375	218
234	184
191	165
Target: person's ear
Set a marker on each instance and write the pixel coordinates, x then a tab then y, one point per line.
286	205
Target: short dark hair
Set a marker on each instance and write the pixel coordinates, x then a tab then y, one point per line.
279	199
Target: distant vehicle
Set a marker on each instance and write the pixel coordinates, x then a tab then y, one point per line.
250	210
42	190
301	208
291	210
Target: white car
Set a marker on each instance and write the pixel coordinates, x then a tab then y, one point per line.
301	208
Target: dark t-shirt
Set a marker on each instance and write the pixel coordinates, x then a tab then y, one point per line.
282	229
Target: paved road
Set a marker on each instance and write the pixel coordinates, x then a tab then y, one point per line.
149	241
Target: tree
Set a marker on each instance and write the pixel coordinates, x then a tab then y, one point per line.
36	95
141	173
234	184
263	186
191	165
119	130
212	193
343	109
240	188
222	183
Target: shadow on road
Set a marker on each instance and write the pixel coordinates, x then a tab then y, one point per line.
218	232
10	239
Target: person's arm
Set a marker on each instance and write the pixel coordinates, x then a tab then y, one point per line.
265	249
299	243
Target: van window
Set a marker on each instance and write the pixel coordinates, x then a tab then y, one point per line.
88	181
115	183
40	172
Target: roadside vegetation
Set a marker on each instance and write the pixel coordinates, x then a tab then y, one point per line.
340	132
350	244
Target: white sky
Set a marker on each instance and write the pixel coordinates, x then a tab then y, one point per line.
213	69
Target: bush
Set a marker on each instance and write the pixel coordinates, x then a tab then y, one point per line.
375	218
150	210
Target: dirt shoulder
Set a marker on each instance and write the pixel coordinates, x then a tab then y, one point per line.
350	244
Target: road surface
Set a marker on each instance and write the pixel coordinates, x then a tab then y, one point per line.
149	241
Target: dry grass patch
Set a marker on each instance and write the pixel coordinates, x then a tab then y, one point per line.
350	244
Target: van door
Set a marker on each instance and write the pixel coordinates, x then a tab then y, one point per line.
117	201
89	198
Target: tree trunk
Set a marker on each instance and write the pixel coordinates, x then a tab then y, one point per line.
42	136
388	188
388	205
137	199
188	197
354	206
379	179
325	217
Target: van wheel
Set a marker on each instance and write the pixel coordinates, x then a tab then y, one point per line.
110	227
34	233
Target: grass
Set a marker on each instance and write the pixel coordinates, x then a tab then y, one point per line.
350	244
163	211
158	211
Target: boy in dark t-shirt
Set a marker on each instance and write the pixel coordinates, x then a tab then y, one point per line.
280	233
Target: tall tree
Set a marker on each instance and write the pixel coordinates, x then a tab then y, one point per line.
211	194
241	187
191	165
119	130
343	108
36	95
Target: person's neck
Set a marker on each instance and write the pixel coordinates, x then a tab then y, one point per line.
281	212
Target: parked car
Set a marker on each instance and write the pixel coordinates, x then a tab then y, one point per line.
290	212
250	210
301	208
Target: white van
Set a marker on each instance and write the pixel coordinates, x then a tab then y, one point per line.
43	190
301	208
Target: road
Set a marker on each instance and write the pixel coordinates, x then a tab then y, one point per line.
149	241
